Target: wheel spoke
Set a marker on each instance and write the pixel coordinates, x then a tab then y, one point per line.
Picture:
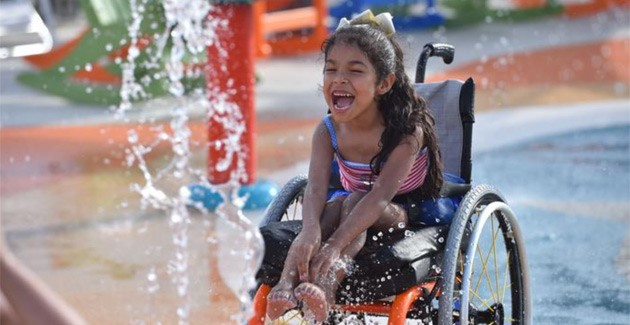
295	207
494	254
290	316
485	271
483	302
505	276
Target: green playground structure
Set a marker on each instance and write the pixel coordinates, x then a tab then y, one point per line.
468	12
87	69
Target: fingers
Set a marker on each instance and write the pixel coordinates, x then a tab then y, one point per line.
320	265
302	267
303	262
315	267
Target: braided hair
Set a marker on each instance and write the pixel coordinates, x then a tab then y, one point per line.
402	109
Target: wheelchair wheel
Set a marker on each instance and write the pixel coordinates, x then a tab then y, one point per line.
287	205
484	281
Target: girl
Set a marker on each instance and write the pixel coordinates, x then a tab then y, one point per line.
381	134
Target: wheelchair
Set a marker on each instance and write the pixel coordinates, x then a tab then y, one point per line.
469	267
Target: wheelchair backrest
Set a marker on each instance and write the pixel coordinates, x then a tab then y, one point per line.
452	102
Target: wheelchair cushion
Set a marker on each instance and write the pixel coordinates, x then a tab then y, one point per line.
383	268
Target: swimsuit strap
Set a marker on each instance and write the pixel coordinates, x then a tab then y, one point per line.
331	131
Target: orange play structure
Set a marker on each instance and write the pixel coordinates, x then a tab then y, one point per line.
585	8
280	28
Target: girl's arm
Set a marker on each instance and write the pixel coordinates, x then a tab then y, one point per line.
309	240
372	205
318	177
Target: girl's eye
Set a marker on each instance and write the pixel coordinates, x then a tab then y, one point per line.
356	71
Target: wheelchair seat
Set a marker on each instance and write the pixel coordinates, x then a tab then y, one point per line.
383	268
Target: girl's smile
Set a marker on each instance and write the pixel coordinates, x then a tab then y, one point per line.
342	100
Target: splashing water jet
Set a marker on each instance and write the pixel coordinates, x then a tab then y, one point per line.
189	28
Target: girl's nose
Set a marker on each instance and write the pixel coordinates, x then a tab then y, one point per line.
340	79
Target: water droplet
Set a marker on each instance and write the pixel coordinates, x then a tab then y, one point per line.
132	137
133	52
153	288
182	312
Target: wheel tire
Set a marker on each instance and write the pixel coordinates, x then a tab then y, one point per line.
278	207
464	224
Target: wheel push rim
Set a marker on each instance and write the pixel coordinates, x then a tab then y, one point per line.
484	293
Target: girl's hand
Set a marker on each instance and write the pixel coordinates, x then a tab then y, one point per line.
323	261
306	245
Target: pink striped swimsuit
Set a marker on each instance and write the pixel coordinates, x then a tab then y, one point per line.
358	176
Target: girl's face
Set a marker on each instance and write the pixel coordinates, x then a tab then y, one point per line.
350	83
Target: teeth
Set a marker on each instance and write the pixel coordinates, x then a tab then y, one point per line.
343	95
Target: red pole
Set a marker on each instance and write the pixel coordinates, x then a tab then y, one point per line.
233	75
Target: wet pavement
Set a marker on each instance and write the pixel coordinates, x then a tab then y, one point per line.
68	211
575	218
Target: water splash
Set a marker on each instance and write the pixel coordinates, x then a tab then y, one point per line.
240	248
177	53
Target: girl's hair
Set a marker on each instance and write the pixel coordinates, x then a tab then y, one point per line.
402	109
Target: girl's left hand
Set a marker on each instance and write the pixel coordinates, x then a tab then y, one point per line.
323	261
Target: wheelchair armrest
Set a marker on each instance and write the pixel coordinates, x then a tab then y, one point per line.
451	189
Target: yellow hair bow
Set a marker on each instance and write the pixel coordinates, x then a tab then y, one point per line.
384	21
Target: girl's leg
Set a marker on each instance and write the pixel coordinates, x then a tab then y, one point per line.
281	298
320	295
393	216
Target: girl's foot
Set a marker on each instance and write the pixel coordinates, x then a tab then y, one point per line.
279	301
314	298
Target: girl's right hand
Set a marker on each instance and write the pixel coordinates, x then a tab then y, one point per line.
306	245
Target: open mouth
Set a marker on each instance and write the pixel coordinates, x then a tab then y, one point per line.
342	100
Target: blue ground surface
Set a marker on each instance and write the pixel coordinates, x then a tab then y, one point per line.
572	251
